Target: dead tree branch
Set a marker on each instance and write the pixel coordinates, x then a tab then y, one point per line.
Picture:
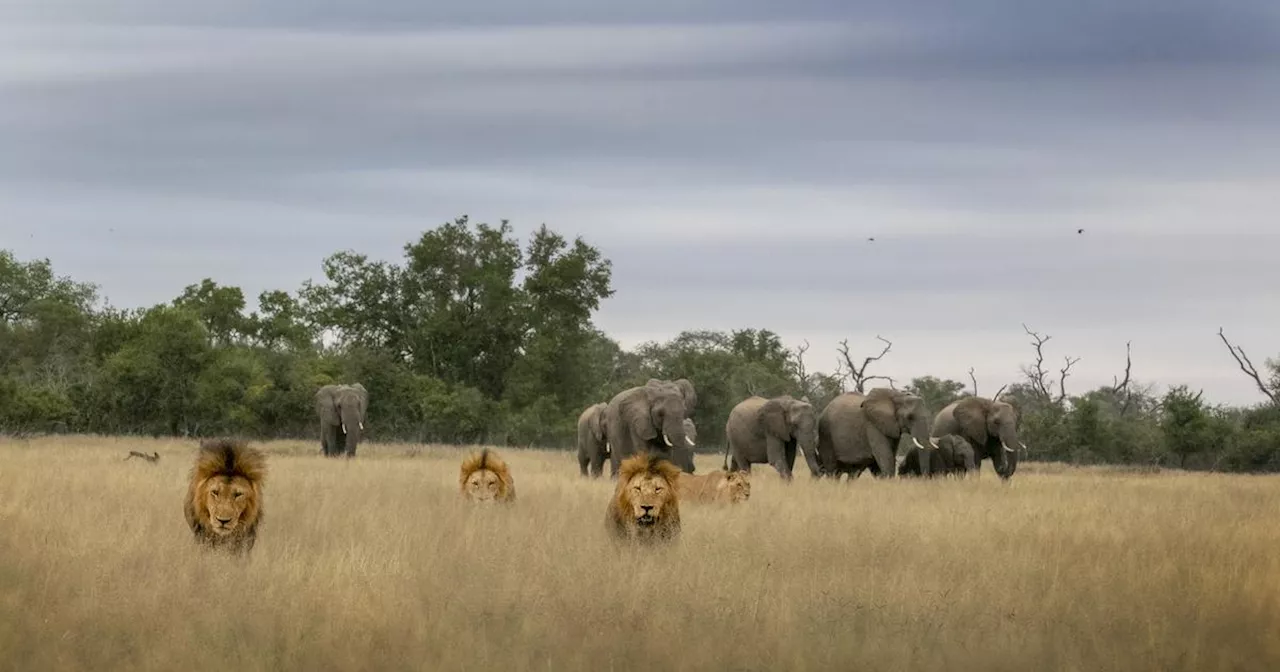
858	374
1038	377
997	395
975	381
1120	388
1249	369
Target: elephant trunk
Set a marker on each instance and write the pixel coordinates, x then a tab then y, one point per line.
353	426
808	444
1008	453
676	443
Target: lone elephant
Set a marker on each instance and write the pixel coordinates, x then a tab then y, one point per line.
990	426
861	431
592	447
769	431
954	457
342	413
650	418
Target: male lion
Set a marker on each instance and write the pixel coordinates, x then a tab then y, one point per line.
485	478
720	486
645	505
224	496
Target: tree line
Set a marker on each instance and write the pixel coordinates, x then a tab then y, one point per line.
474	337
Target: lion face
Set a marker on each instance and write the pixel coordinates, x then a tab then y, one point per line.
736	487
485	477
227	500
483	486
648	494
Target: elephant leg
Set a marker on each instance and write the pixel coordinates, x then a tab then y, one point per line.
330	441
882	449
583	461
789	454
776	452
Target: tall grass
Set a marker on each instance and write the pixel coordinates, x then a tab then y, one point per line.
377	564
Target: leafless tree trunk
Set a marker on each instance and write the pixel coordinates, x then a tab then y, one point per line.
1038	377
858	374
1249	369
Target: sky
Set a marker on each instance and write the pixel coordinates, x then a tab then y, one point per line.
732	159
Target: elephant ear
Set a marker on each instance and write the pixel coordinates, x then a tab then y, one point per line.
880	410
690	395
596	422
971	417
690	430
773	416
637	411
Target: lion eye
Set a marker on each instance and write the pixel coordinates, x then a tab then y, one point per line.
239	495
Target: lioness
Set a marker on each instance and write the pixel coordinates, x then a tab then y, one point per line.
645	506
720	486
224	496
484	477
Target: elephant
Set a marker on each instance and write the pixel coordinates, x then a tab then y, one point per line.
861	431
649	417
769	431
954	456
686	390
342	413
592	449
990	426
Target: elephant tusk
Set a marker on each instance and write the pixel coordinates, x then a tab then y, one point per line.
1007	449
344	428
689	441
664	438
362	426
933	441
917	443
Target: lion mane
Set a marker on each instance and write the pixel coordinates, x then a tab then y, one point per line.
224	505
485	477
720	486
645	506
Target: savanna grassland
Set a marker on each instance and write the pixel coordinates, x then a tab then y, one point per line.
376	564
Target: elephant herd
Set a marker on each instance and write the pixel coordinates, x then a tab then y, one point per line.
854	433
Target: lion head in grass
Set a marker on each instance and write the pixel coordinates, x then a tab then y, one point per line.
645	505
224	495
725	487
484	477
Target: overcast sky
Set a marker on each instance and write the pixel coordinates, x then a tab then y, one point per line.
730	156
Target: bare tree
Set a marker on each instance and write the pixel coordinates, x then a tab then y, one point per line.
997	394
1249	369
801	373
1120	387
975	381
1038	377
858	374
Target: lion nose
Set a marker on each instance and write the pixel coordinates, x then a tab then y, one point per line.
224	521
647	509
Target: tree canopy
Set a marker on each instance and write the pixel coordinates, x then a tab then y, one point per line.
477	336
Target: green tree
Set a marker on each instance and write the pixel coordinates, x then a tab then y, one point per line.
936	392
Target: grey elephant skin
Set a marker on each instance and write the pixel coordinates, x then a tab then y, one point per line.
953	457
593	449
861	431
990	426
650	418
342	413
770	431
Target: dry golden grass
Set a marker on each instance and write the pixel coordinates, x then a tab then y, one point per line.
377	564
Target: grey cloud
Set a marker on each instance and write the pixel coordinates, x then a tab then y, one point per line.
246	141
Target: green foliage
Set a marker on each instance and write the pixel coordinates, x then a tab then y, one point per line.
476	338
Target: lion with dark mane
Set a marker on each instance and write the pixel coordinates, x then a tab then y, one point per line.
485	477
645	506
224	495
720	486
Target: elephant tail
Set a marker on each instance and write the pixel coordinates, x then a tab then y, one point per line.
726	456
